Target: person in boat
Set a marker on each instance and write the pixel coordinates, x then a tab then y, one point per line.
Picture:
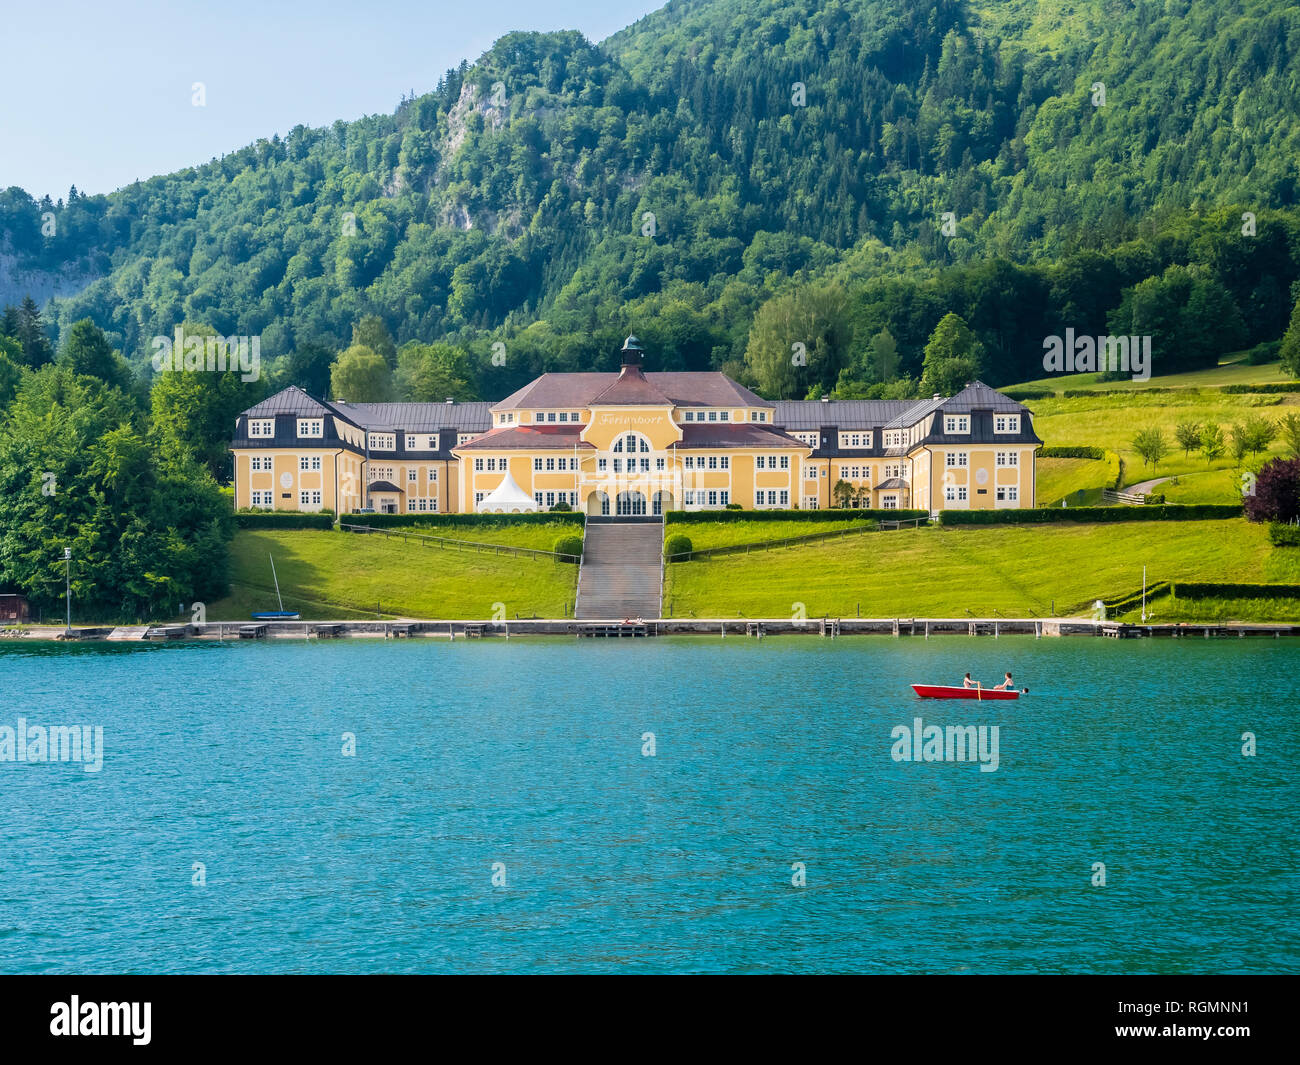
1006	685
968	683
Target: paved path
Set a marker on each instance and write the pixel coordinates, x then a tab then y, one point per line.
1144	487
622	572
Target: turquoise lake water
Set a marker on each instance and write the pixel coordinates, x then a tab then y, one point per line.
767	753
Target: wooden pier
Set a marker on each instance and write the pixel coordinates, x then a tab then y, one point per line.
614	629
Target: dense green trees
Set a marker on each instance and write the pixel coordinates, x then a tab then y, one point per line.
431	373
147	526
1190	316
1290	350
938	157
360	375
953	358
799	341
86	350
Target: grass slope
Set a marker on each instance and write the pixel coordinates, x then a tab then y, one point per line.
1062	478
342	575
729	533
1230	371
1111	422
936	572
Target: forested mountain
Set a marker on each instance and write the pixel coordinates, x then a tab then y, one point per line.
725	177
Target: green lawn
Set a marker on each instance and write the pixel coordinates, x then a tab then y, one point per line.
938	572
729	533
541	537
1214	486
344	575
1065	478
1110	422
1163	609
1230	371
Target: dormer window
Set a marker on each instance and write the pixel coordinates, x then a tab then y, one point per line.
956	423
383	441
1006	423
311	427
261	427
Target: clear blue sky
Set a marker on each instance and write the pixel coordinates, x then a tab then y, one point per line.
99	94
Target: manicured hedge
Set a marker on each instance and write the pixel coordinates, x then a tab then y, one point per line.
384	521
1042	515
1277	386
283	519
1071	453
700	517
1022	394
677	544
1283	535
569	544
1087	393
1196	590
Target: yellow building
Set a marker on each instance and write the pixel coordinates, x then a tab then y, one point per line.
634	443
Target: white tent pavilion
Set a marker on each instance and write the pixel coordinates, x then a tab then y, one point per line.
508	498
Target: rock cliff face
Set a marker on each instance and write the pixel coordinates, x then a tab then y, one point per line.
17	281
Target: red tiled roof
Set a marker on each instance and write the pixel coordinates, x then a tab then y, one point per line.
528	437
736	434
631	387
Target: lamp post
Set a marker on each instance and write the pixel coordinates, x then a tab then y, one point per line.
67	577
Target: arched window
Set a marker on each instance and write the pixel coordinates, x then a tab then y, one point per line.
631	443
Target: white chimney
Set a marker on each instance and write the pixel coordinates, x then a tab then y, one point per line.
938	395
450	400
826	399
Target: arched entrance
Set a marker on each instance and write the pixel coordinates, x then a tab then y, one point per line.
630	504
597	503
663	501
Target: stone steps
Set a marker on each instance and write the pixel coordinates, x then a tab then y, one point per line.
622	571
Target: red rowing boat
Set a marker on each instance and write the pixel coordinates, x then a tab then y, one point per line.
941	691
